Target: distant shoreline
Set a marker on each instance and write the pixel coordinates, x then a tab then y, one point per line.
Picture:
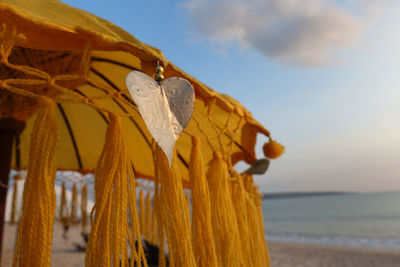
303	194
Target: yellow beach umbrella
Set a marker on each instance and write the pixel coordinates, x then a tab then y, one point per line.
98	55
62	80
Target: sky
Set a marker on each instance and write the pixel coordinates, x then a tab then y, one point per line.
322	75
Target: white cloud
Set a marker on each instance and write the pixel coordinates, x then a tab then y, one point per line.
305	32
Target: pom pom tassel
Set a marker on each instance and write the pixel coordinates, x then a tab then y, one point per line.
273	149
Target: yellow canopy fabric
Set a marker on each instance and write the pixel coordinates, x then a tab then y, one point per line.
88	58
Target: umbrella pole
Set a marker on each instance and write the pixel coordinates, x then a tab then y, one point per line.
9	128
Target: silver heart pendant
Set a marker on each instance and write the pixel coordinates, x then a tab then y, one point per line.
165	107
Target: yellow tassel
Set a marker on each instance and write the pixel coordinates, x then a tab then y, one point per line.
14	202
239	198
263	248
74	205
159	216
84	209
115	194
203	239
33	247
147	217
273	149
226	232
63	210
255	219
172	211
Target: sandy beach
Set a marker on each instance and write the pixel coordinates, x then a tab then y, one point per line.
282	254
288	255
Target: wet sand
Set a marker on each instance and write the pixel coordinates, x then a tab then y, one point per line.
282	254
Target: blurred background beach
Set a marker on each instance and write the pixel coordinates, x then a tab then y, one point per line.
302	229
323	76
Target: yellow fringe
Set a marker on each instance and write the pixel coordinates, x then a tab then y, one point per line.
257	235
14	203
263	247
226	232
273	149
74	205
84	209
203	239
137	252
239	199
33	247
172	212
115	193
158	218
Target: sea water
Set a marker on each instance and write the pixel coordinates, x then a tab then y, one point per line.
368	220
